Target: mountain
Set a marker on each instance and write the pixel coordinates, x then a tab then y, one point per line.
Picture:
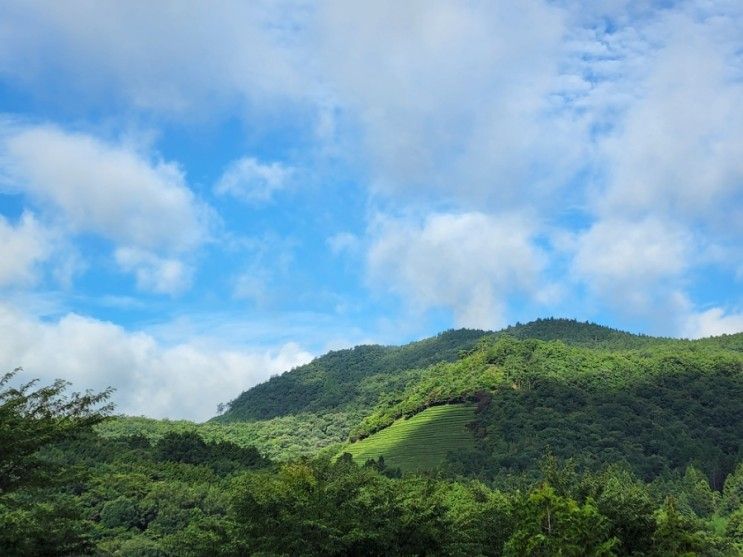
556	380
576	333
656	409
355	379
344	379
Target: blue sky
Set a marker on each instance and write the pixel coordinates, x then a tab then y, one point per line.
196	196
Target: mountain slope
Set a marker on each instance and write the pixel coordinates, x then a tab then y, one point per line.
346	379
354	379
659	408
351	394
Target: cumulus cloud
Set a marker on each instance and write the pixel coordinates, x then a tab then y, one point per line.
667	193
104	188
175	57
252	181
23	247
622	118
153	273
85	185
469	262
676	150
178	380
630	253
452	97
635	266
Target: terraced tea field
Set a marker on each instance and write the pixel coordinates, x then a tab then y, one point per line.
420	442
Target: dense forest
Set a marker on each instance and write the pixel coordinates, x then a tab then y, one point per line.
347	379
573	439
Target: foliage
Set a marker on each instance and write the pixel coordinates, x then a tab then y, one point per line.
548	524
35	520
32	417
642	439
283	438
352	379
570	331
658	409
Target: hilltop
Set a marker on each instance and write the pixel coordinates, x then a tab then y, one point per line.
354	379
344	379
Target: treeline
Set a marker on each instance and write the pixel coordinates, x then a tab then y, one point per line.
571	331
283	438
183	496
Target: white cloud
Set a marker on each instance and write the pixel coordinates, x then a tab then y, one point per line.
23	248
182	57
636	252
153	273
452	97
481	106
85	185
676	151
107	189
633	264
468	262
252	181
180	380
712	322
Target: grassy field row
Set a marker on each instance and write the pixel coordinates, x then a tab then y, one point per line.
421	442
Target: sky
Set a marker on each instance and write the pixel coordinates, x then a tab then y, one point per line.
195	196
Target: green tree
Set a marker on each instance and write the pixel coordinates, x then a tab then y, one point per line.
35	521
732	493
628	506
33	417
547	524
675	533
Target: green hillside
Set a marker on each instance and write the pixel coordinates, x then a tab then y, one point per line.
570	331
421	442
354	380
350	394
347	380
657	409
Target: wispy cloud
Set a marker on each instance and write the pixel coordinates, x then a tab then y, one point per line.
252	181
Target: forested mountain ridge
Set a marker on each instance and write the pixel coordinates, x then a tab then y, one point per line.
354	380
343	378
657	409
570	331
520	364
